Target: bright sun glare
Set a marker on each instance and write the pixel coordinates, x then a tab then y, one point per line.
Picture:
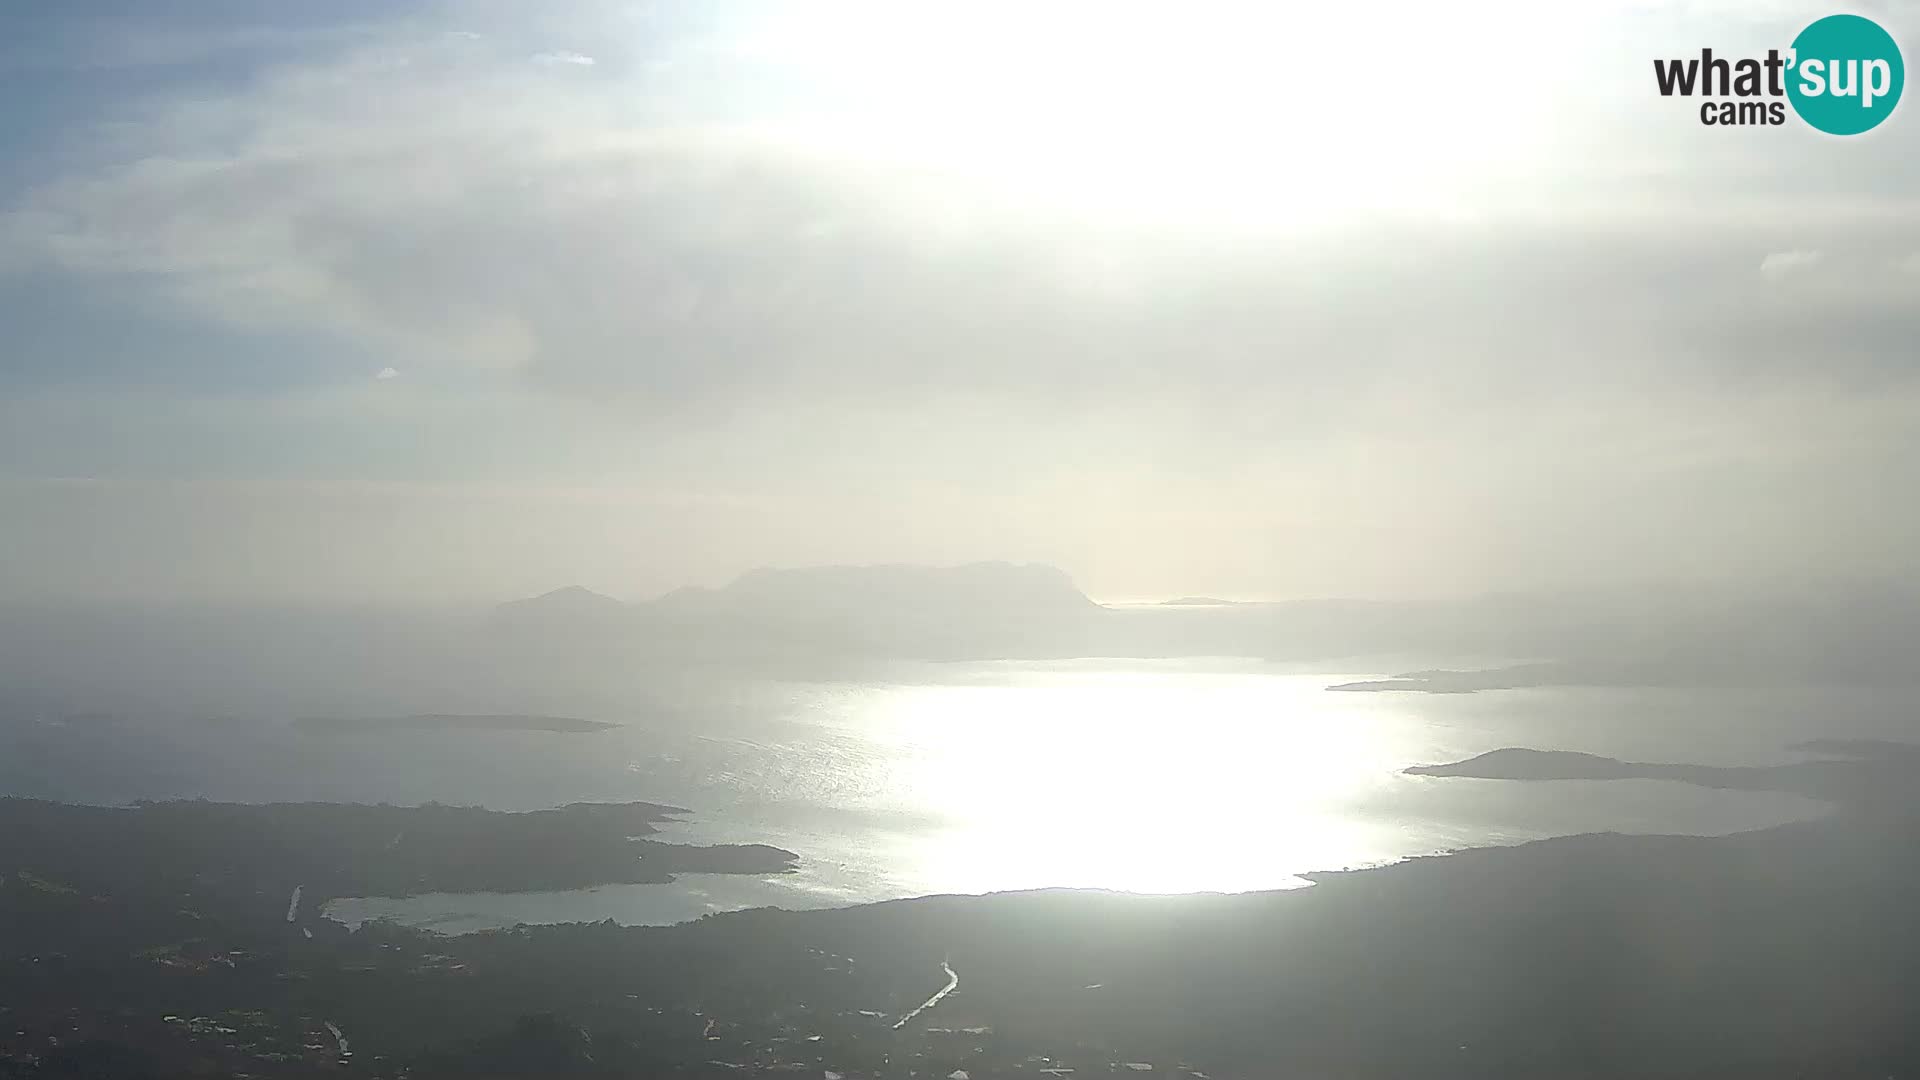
1097	778
1239	112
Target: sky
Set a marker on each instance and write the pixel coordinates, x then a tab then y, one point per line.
455	302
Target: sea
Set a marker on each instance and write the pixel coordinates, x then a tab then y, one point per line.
1151	776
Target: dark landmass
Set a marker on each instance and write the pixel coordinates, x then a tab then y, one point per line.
451	722
334	850
1868	775
1784	952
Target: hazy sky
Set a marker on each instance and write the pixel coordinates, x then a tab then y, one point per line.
421	301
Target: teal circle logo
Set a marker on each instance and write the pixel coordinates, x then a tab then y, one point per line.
1846	76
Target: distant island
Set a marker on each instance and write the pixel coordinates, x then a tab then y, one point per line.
376	725
884	590
1441	681
815	616
1412	686
1198	601
1862	775
805	618
571	602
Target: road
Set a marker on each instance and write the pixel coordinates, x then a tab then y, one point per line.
953	980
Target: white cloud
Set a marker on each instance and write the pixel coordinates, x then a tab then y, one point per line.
438	200
564	57
907	358
1780	264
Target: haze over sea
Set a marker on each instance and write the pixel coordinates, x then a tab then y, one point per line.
1142	775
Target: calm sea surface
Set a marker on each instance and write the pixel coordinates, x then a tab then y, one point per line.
1153	776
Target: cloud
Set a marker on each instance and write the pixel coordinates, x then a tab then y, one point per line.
885	328
564	57
1781	264
440	202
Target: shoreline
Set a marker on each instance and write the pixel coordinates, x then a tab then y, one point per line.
1631	954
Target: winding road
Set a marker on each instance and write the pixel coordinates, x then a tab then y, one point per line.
334	1030
953	980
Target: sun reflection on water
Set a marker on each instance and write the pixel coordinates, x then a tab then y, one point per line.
1144	776
1149	781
